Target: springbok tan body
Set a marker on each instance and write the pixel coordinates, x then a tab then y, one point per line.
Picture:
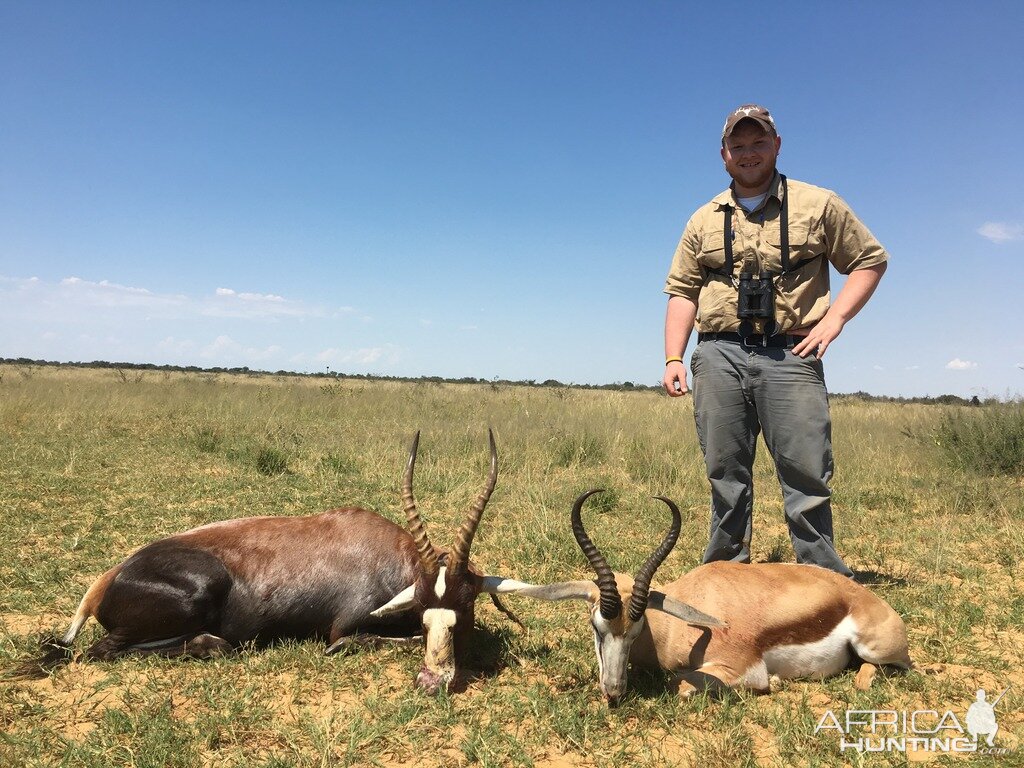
782	619
725	625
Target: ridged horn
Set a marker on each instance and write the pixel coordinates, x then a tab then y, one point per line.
428	557
611	602
464	538
642	581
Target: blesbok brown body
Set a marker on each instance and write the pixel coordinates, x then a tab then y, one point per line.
210	589
725	625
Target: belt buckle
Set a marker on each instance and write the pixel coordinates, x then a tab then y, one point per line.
745	340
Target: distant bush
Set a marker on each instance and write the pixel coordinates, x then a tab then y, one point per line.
271	461
604	502
207	439
579	449
988	439
339	464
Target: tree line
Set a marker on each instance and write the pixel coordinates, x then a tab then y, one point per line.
625	386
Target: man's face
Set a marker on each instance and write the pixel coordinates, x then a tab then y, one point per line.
749	154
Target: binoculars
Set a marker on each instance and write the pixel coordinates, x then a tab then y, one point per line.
756	296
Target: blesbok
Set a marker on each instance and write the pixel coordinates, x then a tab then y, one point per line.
333	576
724	624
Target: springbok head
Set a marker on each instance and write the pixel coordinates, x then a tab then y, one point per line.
446	588
618	604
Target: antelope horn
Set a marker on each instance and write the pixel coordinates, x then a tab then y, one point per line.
428	557
611	602
464	539
642	582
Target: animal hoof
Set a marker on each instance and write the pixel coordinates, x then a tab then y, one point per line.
864	677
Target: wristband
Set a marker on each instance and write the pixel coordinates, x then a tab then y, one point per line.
673	360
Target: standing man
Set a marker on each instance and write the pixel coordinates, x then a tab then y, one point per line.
751	270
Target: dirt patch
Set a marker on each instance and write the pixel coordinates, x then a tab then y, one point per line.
30	624
1005	644
766	747
674	752
76	698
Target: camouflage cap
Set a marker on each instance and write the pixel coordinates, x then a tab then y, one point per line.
754	112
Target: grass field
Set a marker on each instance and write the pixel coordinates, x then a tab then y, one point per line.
93	465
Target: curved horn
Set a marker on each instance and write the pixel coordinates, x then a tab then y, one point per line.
464	539
428	557
611	602
642	581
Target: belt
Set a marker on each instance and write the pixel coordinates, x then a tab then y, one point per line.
782	341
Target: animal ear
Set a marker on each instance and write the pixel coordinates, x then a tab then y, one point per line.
565	590
659	601
403	601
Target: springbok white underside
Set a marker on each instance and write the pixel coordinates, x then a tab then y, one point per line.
827	656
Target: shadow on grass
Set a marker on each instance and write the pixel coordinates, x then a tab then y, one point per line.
488	654
877	578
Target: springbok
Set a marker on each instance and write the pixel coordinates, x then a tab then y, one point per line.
724	624
338	576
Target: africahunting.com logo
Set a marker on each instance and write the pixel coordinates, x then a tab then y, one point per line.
924	730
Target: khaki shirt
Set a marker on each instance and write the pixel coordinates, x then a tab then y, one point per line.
820	224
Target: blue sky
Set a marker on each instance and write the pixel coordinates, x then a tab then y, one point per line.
490	188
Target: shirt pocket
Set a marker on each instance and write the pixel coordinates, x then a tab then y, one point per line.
712	251
805	243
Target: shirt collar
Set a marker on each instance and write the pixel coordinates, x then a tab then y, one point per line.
727	198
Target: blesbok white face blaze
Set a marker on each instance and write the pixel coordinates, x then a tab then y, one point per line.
613	640
439	662
439	585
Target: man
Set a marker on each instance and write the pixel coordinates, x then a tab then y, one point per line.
751	270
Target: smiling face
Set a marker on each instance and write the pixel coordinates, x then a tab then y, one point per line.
749	153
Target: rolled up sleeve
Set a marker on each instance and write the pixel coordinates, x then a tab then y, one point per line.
851	246
684	276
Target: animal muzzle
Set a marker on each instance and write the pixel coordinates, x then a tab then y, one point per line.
432	682
613	693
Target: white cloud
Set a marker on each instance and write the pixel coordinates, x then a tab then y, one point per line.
878	368
219	346
956	364
912	367
225	348
76	318
76	292
73	297
388	353
1001	232
172	346
249	296
227	302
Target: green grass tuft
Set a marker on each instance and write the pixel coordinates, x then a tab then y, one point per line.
989	439
270	461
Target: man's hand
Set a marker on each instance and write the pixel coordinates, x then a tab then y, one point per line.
859	286
675	379
821	335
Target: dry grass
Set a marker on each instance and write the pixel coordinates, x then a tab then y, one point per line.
92	466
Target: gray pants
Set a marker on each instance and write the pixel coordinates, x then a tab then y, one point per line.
739	391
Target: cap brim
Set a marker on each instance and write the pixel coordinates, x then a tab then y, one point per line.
760	121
